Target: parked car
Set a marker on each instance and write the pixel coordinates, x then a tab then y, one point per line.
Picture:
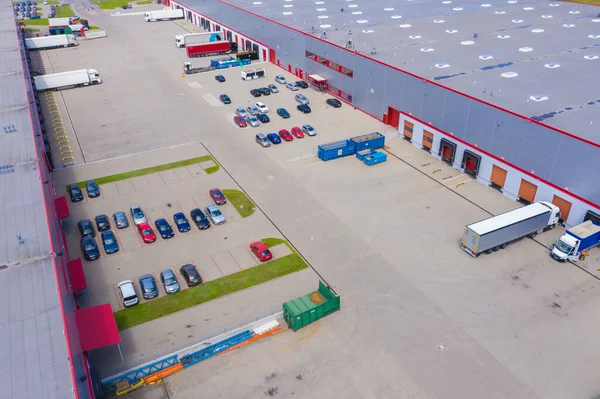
74	18
181	222
148	286
240	121
334	102
261	251
292	86
164	228
305	109
75	193
138	215
263	118
190	275
262	108
109	242
264	91
255	92
86	228
302	84
241	112
302	99
220	78
225	99
213	212
92	189
124	6
309	130
120	220
274	138
102	223
252	121
200	219
146	232
284	134
283	113
280	79
253	110
127	293
297	132
169	281
129	6
35	17
273	88
89	248
262	140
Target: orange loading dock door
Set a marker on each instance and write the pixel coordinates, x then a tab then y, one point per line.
563	205
498	176
427	141
527	191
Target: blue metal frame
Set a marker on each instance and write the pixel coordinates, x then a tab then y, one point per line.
215	349
137	374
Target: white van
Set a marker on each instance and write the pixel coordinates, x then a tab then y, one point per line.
127	292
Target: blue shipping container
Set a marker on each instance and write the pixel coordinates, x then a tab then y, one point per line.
336	149
375	158
372	140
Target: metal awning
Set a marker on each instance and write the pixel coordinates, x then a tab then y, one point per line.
317	78
76	275
62	207
97	327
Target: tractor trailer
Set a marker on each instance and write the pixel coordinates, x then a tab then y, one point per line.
163	15
497	232
48	42
577	240
211	48
64	80
190	39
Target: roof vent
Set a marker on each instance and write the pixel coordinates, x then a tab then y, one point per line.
442	65
9	129
349	44
539	97
552	65
373	52
509	75
591	56
8	168
486	57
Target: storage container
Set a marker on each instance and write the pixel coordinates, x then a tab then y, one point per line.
335	150
372	140
311	307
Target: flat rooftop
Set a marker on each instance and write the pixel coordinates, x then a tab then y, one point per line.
539	59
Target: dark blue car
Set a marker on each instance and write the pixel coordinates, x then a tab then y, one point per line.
92	189
274	138
164	228
109	241
263	118
89	248
220	78
75	193
181	221
305	109
200	219
225	99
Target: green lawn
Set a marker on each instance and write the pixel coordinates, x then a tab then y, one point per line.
241	203
32	30
94	27
162	306
64	12
144	2
108	4
38	22
590	2
147	171
212	169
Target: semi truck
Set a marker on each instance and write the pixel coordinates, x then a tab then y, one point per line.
163	15
497	232
206	49
49	42
576	241
64	80
190	39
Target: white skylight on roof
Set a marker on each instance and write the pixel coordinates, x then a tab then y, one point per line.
396	16
500	12
568	25
574	12
539	97
368	31
517	21
405	25
325	26
467	42
509	75
547	16
451	30
446	2
388	9
321	9
527	8
257	3
457	8
552	65
414	36
525	49
486	57
352	5
427	49
287	13
288	5
537	30
362	21
486	5
594	36
503	36
596	20
319	2
438	21
512	1
442	65
356	12
554	4
591	56
323	16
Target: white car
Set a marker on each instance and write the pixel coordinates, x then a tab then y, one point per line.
45	2
292	86
252	121
262	108
213	212
127	293
241	112
280	79
309	130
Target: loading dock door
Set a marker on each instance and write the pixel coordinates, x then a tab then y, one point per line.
408	130
563	205
393	117
447	150
470	163
427	141
527	191
272	56
498	177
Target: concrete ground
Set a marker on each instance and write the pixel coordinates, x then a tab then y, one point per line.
420	318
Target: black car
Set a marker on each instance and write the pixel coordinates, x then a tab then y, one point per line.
92	189
302	84
76	193
263	118
102	223
200	219
265	91
86	228
305	109
225	99
220	78
89	248
255	92
190	275
124	7
148	286
334	102
164	228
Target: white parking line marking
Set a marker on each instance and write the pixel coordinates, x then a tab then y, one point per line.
195	85
229	117
212	100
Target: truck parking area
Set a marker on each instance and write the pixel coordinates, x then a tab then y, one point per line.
420	317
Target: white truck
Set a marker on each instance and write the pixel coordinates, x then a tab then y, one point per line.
497	232
163	15
48	42
64	80
190	39
576	241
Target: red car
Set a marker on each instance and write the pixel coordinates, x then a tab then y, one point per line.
261	251
217	196
284	134
240	121
146	232
296	131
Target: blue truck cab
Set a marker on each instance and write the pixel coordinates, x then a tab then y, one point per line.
573	245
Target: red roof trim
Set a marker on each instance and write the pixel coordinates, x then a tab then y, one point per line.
97	327
76	275
62	207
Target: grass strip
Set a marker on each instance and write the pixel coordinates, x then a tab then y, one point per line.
168	304
64	12
38	22
32	30
240	202
94	27
212	169
108	4
144	2
590	2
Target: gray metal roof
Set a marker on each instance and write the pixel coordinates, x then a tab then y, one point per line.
552	49
33	349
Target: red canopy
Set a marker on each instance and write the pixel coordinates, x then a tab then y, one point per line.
97	327
62	207
76	275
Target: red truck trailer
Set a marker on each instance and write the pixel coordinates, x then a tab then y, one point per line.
211	48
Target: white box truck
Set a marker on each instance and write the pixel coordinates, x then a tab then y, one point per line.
48	42
64	80
190	39
163	15
497	232
576	241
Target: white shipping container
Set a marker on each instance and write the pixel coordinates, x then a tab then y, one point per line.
163	15
46	42
62	80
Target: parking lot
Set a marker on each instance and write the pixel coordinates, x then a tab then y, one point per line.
419	316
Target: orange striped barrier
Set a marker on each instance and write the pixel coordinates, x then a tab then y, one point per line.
156	377
255	338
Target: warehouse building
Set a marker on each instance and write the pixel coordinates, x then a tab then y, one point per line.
504	92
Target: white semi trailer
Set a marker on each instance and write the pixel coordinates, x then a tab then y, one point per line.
163	15
190	39
497	232
65	80
49	42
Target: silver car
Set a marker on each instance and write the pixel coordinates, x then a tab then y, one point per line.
262	140
302	99
253	110
213	212
309	130
280	79
169	281
273	88
241	112
138	215
252	121
292	86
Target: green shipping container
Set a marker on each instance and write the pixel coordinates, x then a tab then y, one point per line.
311	307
